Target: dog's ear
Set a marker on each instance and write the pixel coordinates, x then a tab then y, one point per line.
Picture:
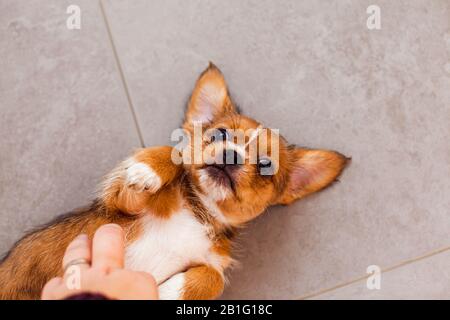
210	98
311	171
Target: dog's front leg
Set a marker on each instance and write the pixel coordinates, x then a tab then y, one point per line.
197	283
129	186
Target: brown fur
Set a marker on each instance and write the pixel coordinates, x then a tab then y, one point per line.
116	195
202	283
37	257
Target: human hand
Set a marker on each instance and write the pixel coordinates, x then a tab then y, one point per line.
98	268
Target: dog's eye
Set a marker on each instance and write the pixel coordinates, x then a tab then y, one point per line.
264	163
220	134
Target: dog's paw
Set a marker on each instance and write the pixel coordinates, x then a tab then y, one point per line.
172	289
142	177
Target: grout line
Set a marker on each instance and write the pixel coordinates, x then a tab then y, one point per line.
122	75
401	264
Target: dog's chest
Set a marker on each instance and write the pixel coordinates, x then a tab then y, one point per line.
168	246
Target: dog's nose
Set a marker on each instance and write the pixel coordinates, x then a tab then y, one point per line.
231	157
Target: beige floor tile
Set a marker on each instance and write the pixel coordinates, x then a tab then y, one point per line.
64	116
424	279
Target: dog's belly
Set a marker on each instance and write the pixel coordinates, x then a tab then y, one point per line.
169	246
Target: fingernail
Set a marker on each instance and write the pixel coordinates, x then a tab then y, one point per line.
112	226
82	237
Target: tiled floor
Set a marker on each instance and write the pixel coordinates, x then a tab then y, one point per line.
310	68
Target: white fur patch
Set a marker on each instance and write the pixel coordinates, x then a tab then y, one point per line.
170	246
142	177
213	209
215	191
172	289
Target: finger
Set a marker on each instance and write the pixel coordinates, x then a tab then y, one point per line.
150	287
147	277
129	285
108	247
51	289
78	250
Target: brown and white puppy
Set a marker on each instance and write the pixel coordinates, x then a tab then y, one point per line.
180	219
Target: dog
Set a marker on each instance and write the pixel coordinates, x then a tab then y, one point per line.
181	216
